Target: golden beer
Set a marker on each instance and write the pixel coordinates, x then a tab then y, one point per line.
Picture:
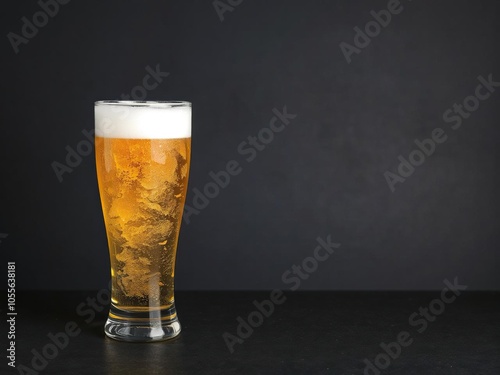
142	184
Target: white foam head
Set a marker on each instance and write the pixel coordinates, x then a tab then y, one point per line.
142	120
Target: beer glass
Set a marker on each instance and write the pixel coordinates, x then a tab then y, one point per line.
142	157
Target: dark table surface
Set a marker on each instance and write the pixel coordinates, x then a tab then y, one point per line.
310	333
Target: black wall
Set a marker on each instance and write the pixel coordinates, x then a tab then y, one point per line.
322	175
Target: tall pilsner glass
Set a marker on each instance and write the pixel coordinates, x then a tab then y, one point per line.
143	156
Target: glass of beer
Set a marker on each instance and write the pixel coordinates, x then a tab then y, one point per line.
143	157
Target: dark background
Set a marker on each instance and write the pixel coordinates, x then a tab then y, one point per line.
322	176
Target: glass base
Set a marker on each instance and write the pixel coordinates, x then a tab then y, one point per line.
151	326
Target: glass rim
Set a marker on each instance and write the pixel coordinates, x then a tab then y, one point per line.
144	103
